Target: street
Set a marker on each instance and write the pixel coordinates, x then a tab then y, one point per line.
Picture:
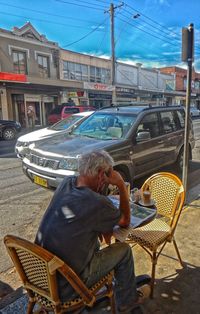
22	203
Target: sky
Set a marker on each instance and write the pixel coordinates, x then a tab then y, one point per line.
146	31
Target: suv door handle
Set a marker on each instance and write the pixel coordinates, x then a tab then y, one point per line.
160	142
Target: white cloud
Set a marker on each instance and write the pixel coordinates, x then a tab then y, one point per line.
171	53
98	27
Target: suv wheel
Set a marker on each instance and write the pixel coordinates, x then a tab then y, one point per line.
9	134
179	161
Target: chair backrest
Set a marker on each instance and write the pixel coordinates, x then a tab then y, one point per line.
168	192
38	268
114	131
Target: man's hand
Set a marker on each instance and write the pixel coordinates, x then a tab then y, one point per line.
107	237
113	177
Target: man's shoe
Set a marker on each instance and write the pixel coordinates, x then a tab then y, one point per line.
143	293
142	280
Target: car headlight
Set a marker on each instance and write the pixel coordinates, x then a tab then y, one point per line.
69	164
22	144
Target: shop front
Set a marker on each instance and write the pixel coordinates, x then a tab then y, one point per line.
125	95
99	95
41	105
78	97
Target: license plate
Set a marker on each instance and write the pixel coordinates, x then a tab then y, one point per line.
40	181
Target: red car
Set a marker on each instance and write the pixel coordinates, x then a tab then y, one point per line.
69	110
63	111
55	115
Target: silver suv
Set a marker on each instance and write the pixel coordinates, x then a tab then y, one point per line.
140	140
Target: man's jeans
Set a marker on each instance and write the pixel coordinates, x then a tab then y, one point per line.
117	256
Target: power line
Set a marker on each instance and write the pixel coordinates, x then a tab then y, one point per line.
45	13
46	21
147	17
81	5
156	28
86	34
153	35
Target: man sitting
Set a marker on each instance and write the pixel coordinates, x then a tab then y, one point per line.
77	216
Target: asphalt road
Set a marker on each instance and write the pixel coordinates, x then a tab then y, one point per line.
22	203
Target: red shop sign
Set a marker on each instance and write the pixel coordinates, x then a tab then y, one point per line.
13	77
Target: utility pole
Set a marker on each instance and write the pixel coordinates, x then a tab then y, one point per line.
113	60
187	56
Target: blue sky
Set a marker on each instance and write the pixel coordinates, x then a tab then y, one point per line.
146	31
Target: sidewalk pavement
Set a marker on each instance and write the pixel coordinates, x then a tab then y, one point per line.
176	288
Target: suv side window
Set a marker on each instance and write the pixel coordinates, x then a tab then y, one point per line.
150	123
168	122
181	118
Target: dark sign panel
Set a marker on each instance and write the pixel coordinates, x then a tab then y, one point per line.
99	96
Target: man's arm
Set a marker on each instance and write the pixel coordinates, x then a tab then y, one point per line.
115	178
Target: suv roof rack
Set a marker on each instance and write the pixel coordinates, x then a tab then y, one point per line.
145	105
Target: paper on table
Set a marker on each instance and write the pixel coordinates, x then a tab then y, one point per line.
139	216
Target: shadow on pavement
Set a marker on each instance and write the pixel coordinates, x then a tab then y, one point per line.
177	293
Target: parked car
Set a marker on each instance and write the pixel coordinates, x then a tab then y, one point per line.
194	112
64	111
55	115
140	140
21	147
69	110
9	128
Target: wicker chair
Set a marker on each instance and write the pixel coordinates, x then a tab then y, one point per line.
168	192
38	268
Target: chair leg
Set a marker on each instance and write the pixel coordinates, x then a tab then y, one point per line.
112	304
30	307
177	252
154	262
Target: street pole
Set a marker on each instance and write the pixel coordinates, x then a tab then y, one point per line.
187	126
187	55
112	29
113	60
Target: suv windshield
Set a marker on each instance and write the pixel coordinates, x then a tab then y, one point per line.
106	126
65	123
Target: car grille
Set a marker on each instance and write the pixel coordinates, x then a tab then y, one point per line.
44	162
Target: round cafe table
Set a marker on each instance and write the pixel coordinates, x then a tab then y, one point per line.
140	216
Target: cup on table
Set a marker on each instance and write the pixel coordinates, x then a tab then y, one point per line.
135	195
146	197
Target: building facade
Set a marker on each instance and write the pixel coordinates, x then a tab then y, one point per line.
181	84
37	72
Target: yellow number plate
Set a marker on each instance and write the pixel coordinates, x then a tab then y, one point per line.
40	181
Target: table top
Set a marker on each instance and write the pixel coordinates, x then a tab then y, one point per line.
140	216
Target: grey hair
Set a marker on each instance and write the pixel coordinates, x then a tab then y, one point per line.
90	163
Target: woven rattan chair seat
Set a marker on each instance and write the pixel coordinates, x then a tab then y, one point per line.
47	304
152	234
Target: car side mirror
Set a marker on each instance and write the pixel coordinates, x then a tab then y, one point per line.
143	136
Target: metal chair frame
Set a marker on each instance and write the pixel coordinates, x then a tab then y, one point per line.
168	192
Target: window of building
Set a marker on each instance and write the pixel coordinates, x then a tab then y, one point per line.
43	63
19	62
75	71
100	75
82	72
